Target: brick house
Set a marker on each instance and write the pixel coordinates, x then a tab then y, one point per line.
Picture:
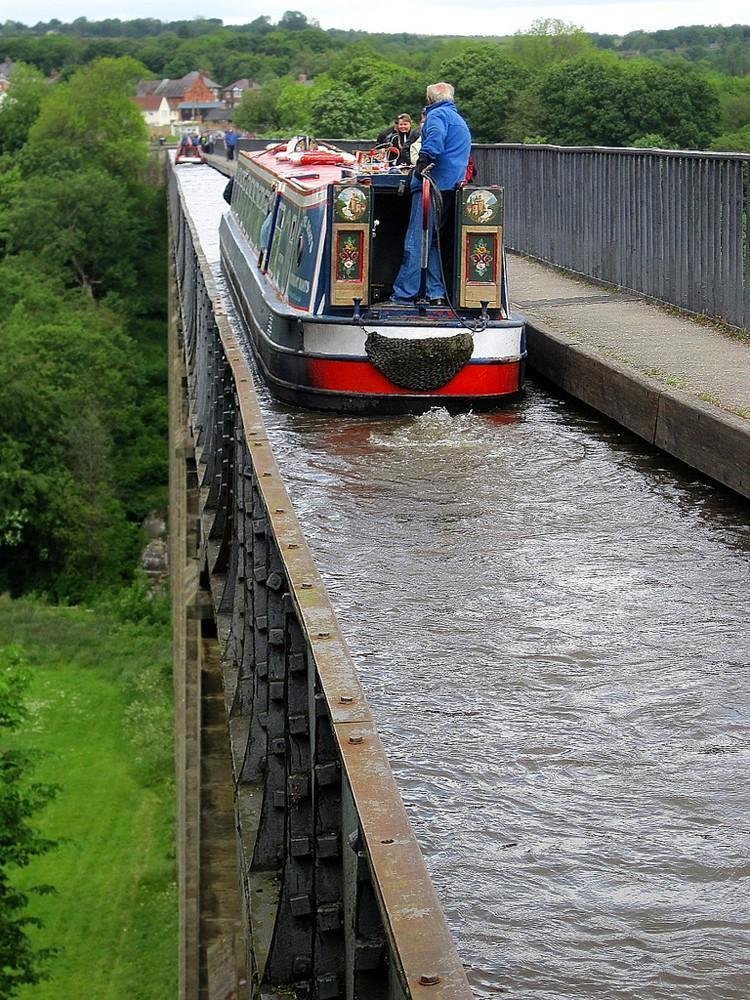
189	99
233	93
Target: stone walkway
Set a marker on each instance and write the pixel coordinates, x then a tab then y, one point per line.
672	349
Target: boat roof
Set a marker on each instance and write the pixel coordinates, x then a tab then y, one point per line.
310	177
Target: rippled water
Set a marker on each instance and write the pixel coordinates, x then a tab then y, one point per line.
550	623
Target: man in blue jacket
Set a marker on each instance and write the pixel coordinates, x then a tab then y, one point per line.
446	145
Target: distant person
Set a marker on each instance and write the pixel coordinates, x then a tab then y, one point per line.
399	138
186	147
230	141
444	156
387	133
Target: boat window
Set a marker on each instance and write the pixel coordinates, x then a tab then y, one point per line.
280	217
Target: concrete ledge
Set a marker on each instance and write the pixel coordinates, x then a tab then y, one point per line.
698	433
706	438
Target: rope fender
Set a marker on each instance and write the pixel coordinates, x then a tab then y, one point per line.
420	365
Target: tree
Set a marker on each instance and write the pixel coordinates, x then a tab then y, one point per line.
257	110
675	102
732	142
293	21
91	120
550	40
342	113
580	103
607	102
85	225
21	962
19	109
487	83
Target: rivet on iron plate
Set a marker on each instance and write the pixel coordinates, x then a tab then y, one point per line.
386	841
355	740
346	699
323	635
429	980
279	510
306	586
265	473
293	545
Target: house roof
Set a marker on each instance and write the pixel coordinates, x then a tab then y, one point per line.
149	102
148	87
183	105
243	84
219	114
197	74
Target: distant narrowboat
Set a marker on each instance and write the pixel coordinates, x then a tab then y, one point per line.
310	249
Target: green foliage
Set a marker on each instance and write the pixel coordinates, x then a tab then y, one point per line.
673	101
20	107
341	113
487	83
732	142
550	40
606	102
21	798
78	223
68	395
652	140
257	111
734	101
82	441
91	120
101	716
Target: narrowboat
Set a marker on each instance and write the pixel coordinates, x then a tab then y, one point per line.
310	248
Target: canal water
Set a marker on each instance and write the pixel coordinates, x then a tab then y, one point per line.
550	623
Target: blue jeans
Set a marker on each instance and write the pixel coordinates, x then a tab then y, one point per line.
406	285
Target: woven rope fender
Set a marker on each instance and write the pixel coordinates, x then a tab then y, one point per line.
420	365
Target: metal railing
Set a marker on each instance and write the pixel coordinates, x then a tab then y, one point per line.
674	226
324	844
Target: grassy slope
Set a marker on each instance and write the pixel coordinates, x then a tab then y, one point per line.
100	710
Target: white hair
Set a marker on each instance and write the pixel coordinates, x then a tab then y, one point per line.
439	92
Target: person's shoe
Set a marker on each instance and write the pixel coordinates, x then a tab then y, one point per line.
439	302
396	302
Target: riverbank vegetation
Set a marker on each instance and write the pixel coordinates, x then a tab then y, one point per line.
98	728
684	87
87	763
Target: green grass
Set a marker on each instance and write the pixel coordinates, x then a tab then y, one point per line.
100	703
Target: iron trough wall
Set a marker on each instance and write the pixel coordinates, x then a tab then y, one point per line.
337	899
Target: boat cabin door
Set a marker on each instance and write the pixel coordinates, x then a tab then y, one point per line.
351	216
479	246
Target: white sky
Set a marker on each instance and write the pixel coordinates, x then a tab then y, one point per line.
482	17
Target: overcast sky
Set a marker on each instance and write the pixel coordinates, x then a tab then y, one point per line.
433	17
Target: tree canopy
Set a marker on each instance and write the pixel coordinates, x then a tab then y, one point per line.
22	963
82	450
